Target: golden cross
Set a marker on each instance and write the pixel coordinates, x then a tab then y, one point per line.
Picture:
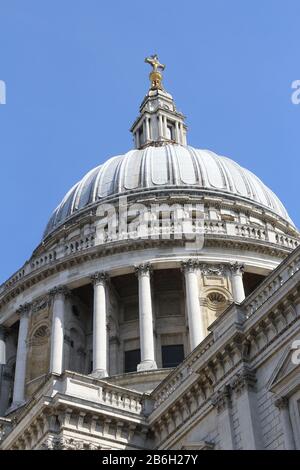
153	60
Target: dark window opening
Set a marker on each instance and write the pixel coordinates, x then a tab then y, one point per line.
170	131
132	359
251	281
172	355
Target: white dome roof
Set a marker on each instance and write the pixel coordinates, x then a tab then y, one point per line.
173	167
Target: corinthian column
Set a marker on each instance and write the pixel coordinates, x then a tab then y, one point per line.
146	318
57	334
20	373
197	330
100	337
238	291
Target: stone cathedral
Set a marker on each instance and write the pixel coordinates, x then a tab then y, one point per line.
111	339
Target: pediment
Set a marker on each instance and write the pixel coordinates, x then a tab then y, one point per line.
285	372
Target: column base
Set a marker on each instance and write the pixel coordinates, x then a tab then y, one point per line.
146	365
99	374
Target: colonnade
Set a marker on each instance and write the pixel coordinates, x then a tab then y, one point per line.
197	330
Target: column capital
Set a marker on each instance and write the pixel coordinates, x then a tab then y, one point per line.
281	403
237	268
24	309
100	277
144	269
190	265
60	290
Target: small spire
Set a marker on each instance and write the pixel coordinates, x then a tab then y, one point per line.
159	122
155	76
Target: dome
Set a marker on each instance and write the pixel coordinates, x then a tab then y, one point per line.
168	167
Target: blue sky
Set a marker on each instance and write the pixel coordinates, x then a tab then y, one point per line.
75	76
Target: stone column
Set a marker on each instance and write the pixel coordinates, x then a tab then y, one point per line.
147	130
197	330
165	126
21	361
160	126
146	318
58	328
283	404
100	336
222	402
238	292
177	136
137	140
243	386
2	345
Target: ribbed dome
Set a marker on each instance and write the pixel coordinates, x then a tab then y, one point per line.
168	166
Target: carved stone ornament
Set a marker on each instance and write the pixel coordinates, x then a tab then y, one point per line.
60	290
41	304
65	443
213	270
144	269
24	308
100	277
237	268
190	265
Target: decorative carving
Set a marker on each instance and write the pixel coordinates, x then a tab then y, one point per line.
216	300
40	335
24	309
60	290
144	269
100	277
237	268
41	304
213	270
190	265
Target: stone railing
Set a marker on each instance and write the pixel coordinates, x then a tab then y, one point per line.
286	240
79	244
210	228
248	231
99	391
181	374
118	398
272	283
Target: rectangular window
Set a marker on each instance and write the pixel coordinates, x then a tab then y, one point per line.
172	355
132	359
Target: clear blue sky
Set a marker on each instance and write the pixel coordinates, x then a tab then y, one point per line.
75	76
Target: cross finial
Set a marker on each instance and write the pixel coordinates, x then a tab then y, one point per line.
155	76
